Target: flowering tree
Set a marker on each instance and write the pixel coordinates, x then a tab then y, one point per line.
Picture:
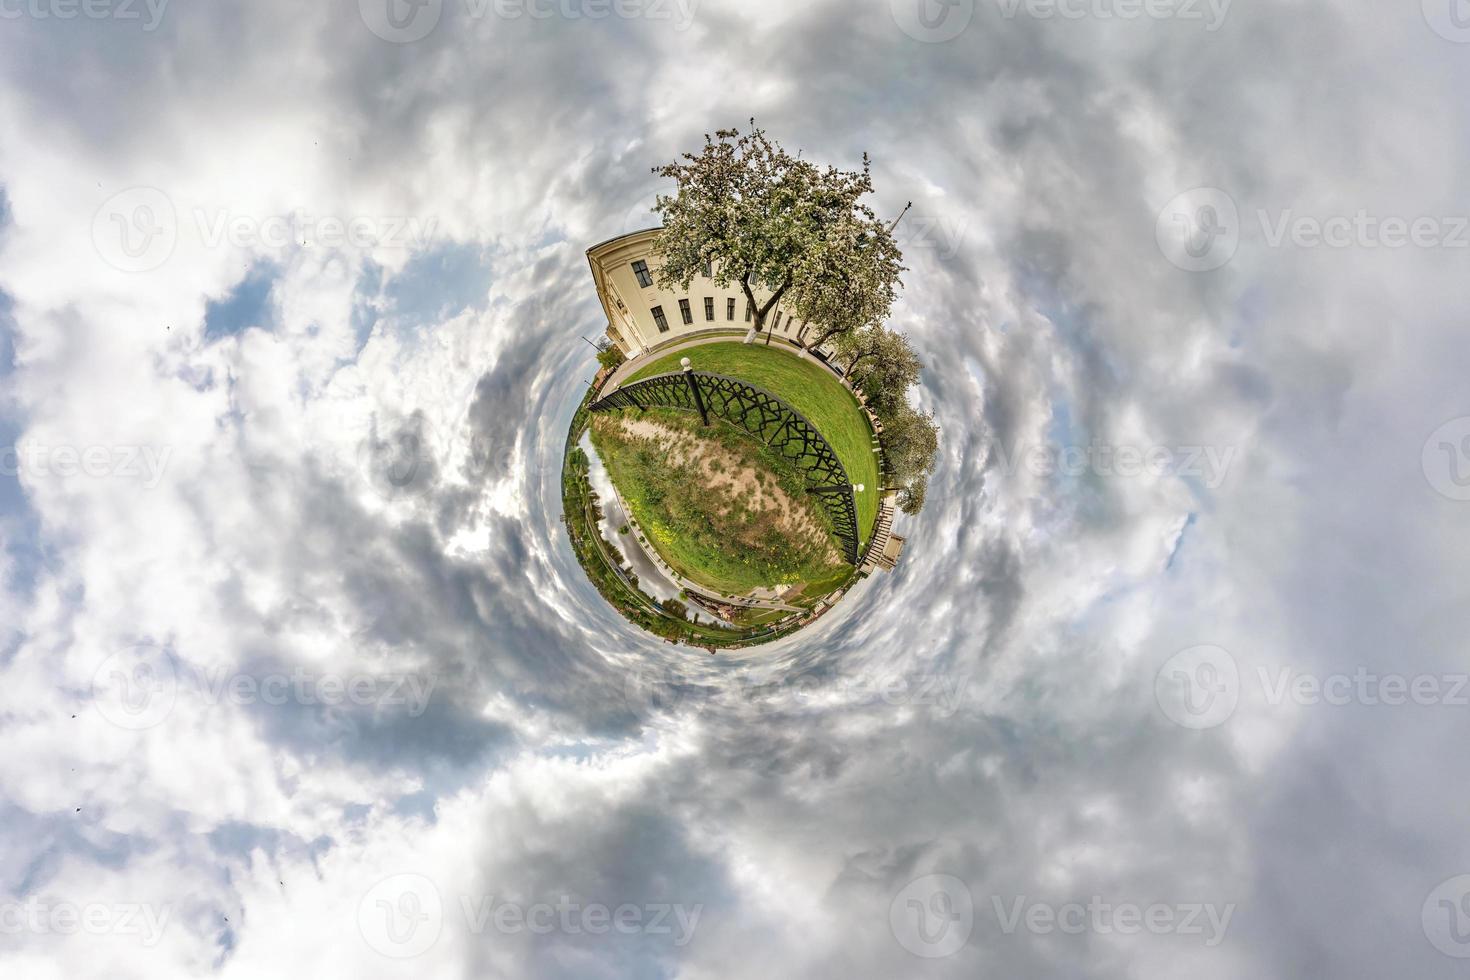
910	446
747	211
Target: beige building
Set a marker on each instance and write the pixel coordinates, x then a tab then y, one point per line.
641	316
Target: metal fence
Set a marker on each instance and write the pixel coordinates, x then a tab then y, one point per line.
763	415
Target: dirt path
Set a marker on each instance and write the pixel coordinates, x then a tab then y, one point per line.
723	470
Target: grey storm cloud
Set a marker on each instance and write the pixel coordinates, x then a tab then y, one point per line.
990	712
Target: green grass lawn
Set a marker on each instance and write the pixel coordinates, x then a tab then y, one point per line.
809	388
716	537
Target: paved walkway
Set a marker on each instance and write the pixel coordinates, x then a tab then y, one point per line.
629	368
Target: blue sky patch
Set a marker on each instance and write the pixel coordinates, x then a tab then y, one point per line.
441	283
248	305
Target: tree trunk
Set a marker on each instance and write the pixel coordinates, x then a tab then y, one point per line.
761	312
823	337
757	316
863	356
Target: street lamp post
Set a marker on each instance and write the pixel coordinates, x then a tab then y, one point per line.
688	367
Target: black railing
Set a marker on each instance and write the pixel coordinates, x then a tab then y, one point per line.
763	415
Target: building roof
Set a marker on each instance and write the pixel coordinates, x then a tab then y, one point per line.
618	238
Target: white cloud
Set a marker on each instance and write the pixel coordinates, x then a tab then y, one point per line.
795	803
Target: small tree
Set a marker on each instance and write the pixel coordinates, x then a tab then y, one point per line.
610	357
854	289
884	366
861	351
910	442
750	212
911	495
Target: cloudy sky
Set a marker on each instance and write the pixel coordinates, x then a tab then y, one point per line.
1171	681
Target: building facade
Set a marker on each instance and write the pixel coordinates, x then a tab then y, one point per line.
641	316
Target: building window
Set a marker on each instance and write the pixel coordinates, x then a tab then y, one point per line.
748	311
685	312
730	309
640	269
660	319
709	270
709	308
778	319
